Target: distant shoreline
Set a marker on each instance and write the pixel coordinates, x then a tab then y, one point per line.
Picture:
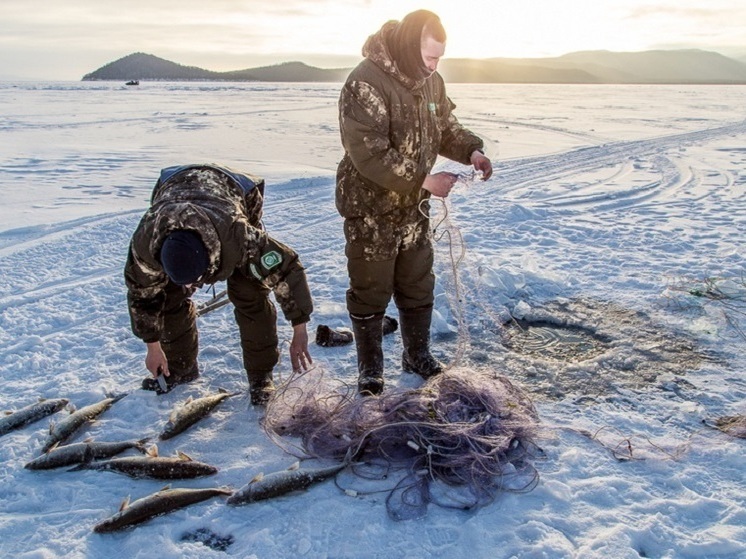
659	67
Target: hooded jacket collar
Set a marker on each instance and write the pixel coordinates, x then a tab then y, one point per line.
376	49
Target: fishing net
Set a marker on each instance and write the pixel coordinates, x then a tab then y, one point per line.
456	441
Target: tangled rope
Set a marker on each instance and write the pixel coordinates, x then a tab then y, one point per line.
460	429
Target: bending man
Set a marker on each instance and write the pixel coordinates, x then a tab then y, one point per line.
204	226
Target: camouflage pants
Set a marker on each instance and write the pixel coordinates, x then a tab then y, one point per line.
389	255
179	339
257	322
255	314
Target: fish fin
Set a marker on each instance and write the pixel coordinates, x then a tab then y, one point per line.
189	400
51	448
166	487
51	427
88	440
152	451
258	477
184	456
140	445
115	397
125	504
8	412
81	466
294	466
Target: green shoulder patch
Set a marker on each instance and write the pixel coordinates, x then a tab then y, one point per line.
271	259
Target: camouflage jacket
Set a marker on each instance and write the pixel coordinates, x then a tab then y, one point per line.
392	130
204	200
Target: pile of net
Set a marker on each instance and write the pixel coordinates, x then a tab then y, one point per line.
456	441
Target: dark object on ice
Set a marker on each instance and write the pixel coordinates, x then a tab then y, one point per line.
209	538
330	337
133	82
389	325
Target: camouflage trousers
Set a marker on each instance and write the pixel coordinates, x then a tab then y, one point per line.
255	315
389	256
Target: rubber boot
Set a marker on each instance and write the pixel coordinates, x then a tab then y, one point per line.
368	332
415	335
329	337
389	325
261	387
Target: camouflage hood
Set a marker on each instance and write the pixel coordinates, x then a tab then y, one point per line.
378	51
206	203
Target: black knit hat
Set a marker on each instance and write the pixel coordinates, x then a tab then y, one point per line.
184	257
405	43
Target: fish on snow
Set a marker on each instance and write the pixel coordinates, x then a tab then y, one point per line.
31	413
279	483
60	432
162	502
78	453
153	466
192	411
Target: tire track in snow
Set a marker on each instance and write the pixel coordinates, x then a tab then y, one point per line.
526	173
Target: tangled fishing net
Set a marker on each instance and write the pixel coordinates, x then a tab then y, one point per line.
456	441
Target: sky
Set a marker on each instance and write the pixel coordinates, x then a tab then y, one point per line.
46	39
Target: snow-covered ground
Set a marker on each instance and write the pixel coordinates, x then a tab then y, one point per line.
608	207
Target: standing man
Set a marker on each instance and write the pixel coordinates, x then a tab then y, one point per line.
203	226
395	119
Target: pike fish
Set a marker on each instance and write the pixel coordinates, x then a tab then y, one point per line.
162	502
278	483
31	413
62	431
79	453
192	411
155	467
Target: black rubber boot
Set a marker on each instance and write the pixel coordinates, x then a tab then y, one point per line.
329	337
415	335
261	387
174	378
368	337
389	325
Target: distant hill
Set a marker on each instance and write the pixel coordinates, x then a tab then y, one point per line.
141	66
647	67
